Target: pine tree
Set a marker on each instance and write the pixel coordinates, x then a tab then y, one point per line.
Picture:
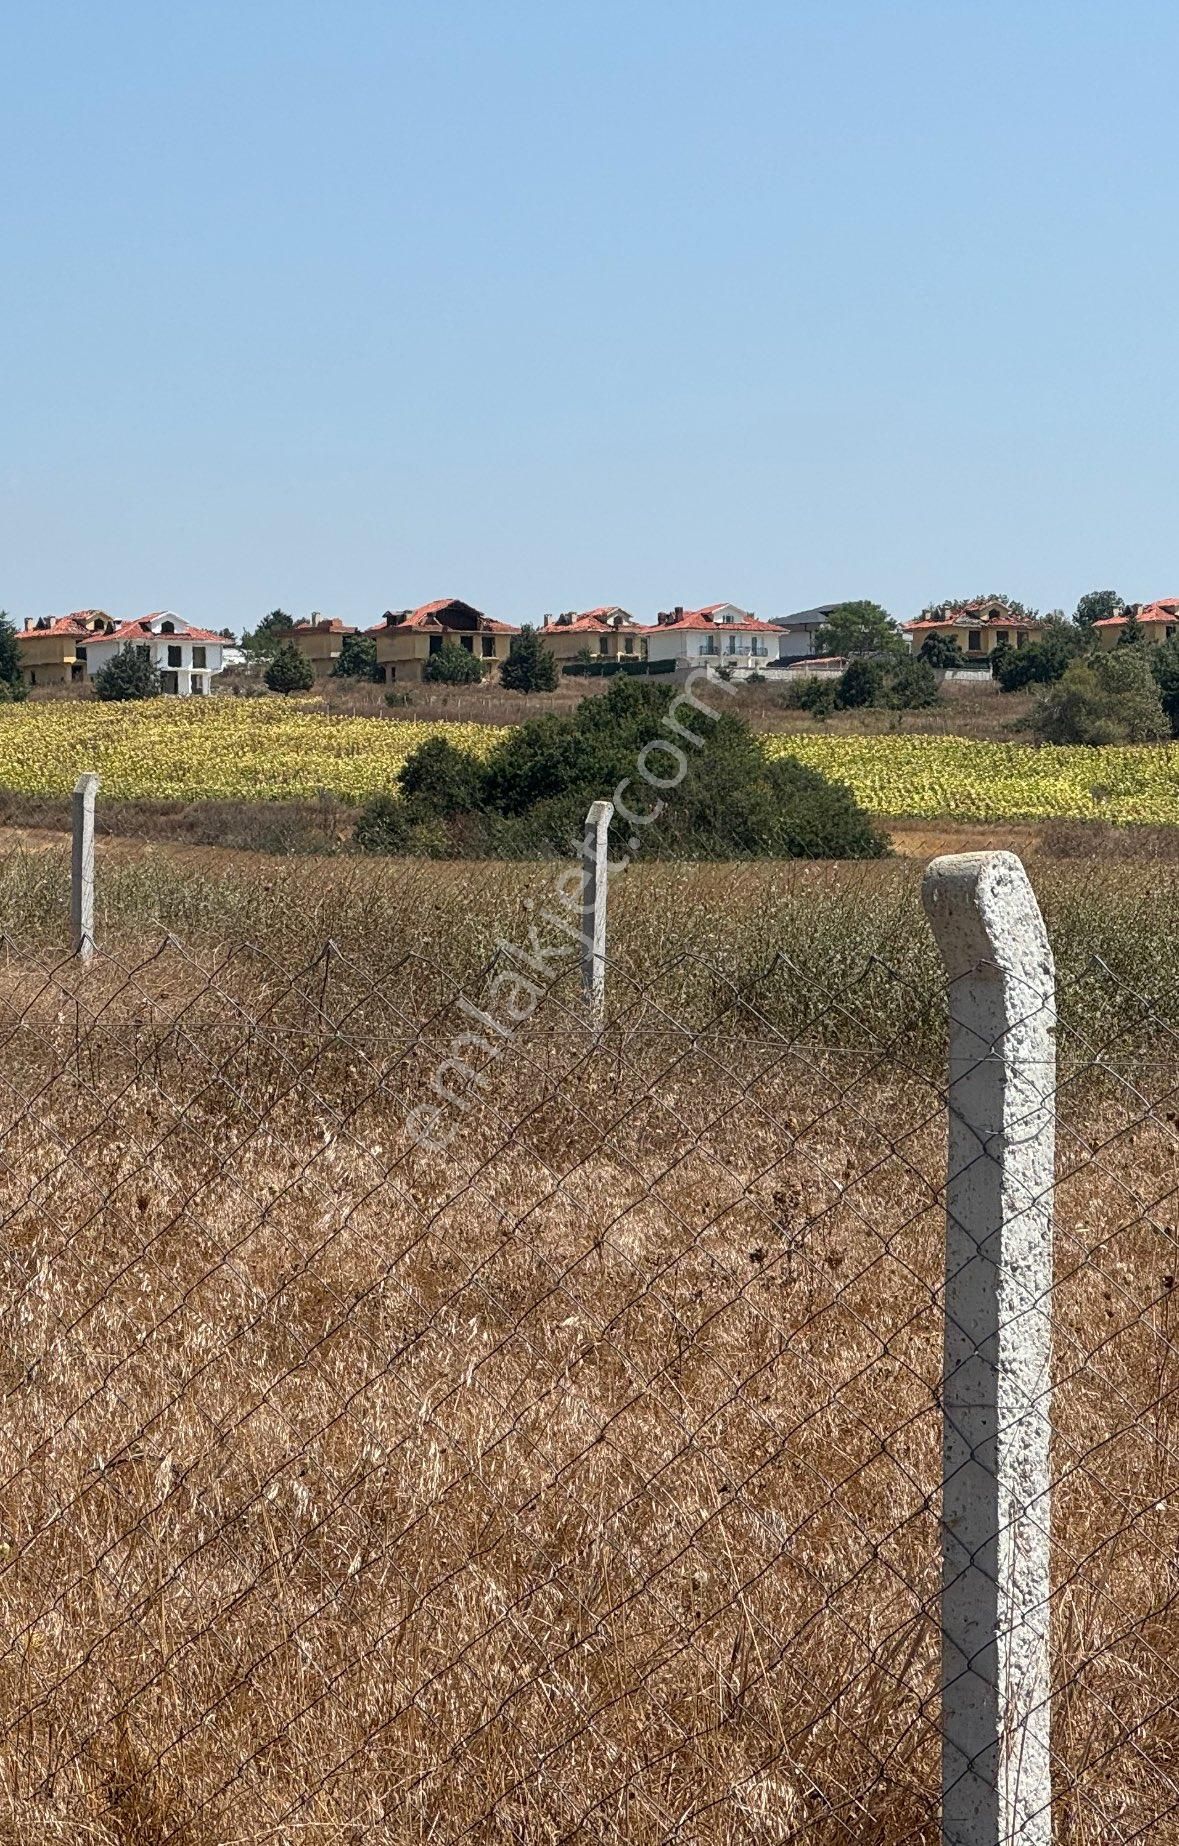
132	674
290	671
529	667
358	659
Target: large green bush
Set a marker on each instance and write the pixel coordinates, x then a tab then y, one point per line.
720	799
12	685
358	659
1110	699
453	665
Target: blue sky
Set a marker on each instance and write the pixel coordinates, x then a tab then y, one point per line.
546	305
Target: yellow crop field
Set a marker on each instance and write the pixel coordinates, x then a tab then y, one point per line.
276	749
927	776
216	749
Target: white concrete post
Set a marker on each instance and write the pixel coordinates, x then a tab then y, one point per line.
82	866
996	1784
594	886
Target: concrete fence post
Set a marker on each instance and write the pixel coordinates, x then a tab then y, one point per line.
996	1782
82	866
594	887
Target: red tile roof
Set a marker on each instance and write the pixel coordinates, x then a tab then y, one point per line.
968	614
703	618
1163	609
80	623
594	621
141	630
424	619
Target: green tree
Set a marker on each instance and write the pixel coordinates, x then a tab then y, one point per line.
531	793
358	659
132	674
1097	606
12	685
272	632
453	665
1111	698
290	671
941	650
529	667
859	628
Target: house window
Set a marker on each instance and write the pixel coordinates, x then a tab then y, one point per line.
1020	638
487	644
197	684
435	643
169	682
390	675
1170	631
628	646
1002	637
175	656
167	628
198	657
468	642
603	644
974	641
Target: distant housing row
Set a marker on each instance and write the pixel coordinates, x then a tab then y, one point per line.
63	651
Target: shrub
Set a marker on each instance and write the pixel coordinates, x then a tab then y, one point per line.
290	671
913	686
1111	699
810	692
453	665
132	674
529	667
531	793
358	659
941	650
606	669
861	683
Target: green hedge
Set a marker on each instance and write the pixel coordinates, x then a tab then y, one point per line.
605	669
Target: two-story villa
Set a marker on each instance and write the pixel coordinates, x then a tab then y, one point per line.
53	649
406	638
608	633
187	657
979	626
720	635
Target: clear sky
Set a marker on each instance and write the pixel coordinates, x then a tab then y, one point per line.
549	303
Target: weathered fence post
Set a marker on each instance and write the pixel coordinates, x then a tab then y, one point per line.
996	1783
594	886
82	866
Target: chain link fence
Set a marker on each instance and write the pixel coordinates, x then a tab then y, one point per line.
440	1409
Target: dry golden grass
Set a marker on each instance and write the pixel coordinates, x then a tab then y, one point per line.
577	1484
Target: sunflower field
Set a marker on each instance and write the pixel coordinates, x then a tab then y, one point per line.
211	749
291	749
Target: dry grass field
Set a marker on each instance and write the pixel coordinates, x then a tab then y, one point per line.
579	1482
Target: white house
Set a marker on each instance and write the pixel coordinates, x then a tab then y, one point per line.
721	635
187	657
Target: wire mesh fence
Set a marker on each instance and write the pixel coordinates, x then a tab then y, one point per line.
434	1411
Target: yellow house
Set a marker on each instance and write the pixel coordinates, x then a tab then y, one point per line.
52	648
608	633
406	638
978	626
321	642
1157	622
